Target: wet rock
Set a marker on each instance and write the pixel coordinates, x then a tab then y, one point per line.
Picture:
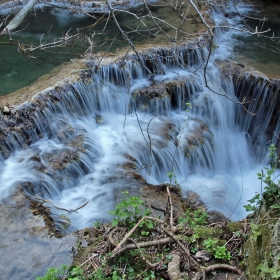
259	94
129	166
169	93
6	110
99	120
167	130
64	131
61	159
194	200
157	197
26	247
198	136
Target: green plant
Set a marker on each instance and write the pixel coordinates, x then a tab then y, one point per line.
129	211
210	245
239	234
255	231
97	224
254	203
271	190
193	218
75	273
54	273
222	253
219	252
171	175
274	272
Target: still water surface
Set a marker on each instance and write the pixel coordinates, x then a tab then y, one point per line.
262	53
17	69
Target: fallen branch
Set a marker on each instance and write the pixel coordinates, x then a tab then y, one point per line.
171	209
17	20
186	251
111	238
118	248
145	244
60	208
151	265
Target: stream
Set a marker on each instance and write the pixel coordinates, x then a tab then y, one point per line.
83	136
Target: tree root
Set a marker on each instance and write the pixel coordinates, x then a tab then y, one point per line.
214	267
174	268
145	244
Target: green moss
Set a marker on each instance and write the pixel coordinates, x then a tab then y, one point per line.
185	238
234	226
258	249
207	232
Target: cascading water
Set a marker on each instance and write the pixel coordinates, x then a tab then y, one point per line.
81	144
81	141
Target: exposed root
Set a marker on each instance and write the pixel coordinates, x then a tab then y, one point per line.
174	267
214	267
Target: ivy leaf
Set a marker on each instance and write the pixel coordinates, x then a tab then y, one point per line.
275	206
115	222
263	268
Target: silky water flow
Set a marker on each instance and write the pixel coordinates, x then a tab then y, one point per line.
81	143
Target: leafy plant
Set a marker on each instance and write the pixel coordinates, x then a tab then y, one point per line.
210	245
189	106
271	191
54	273
76	273
273	271
219	252
129	212
171	175
193	218
255	231
97	224
222	253
254	203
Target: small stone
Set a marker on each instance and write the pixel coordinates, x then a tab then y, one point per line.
6	110
202	255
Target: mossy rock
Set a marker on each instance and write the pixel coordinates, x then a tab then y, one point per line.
207	232
235	226
263	244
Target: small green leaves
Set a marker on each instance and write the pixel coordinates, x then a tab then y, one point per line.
129	211
255	231
115	222
54	273
170	175
271	189
189	106
274	272
194	218
210	244
220	252
275	206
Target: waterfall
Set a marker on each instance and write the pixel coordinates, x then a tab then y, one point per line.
72	144
84	142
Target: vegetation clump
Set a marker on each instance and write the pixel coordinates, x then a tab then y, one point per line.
261	250
138	245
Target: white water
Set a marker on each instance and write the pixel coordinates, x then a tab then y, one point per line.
215	156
